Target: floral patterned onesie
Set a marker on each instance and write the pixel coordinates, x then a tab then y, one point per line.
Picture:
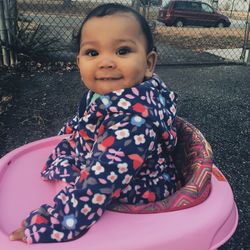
117	151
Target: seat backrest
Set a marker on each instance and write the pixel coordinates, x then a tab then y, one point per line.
192	149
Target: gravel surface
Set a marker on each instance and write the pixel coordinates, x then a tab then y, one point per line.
215	99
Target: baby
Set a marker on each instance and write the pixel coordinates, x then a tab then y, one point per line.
121	138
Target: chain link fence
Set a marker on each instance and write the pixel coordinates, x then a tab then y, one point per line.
178	42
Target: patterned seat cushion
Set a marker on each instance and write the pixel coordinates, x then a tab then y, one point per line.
193	158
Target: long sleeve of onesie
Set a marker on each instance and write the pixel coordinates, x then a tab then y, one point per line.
118	151
111	165
50	171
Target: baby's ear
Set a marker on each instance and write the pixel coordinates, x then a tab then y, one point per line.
151	62
77	61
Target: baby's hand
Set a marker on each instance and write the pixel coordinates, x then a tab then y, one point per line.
18	235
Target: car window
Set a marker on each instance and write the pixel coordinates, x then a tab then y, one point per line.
206	8
180	5
193	6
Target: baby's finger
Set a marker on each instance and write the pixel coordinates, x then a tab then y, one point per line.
18	235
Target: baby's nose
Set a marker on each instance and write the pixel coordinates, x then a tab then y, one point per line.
107	62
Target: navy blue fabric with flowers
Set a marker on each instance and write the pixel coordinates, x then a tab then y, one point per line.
116	151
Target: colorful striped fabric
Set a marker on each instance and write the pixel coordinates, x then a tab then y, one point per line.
194	159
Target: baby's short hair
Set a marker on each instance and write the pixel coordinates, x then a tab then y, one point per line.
113	8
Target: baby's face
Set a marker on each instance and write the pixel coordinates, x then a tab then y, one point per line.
113	53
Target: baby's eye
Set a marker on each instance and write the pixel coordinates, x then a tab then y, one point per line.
123	51
91	52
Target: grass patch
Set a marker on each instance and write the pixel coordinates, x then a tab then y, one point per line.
201	38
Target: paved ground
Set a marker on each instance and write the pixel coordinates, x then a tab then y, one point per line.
215	99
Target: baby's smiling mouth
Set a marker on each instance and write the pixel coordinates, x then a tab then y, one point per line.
108	78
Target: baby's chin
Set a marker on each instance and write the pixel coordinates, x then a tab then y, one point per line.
105	91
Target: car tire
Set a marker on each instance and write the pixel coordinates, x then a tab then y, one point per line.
179	23
221	24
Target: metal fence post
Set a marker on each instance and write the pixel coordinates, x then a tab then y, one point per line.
13	25
232	8
4	37
248	55
248	38
136	5
245	48
8	25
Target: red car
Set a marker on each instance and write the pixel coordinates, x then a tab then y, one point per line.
181	13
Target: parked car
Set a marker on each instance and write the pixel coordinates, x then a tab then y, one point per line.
180	13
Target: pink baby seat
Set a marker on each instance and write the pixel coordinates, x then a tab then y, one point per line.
201	215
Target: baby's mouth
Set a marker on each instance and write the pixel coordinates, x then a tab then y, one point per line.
108	78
